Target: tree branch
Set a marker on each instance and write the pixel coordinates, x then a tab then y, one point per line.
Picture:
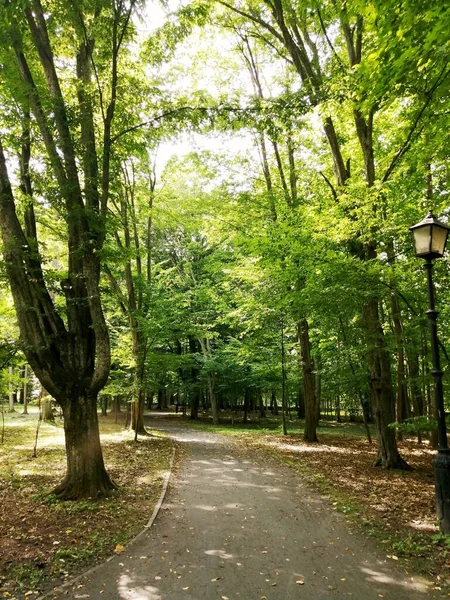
409	138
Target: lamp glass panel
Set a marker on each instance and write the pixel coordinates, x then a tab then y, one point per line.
439	238
421	237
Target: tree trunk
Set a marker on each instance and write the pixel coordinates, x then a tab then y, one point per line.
412	360
402	407
11	392
300	399
262	408
309	384
70	353
381	389
246	402
364	416
274	403
25	391
46	409
318	388
117	411
213	399
195	404
86	474
137	408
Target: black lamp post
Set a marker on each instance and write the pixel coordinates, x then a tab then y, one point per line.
429	238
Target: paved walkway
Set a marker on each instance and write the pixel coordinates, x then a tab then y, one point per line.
233	527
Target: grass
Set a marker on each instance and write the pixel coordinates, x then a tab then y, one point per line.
45	541
272	426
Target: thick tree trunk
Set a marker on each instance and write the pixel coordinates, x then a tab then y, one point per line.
86	474
300	401
195	404
46	409
381	392
309	384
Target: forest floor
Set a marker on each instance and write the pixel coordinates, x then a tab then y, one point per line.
43	539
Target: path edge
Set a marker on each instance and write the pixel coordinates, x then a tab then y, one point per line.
146	527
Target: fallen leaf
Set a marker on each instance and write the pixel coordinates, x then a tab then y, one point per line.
119	548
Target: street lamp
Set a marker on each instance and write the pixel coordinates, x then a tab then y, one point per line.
429	239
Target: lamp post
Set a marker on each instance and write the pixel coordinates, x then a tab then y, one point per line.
429	239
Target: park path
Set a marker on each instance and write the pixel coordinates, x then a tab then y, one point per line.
236	527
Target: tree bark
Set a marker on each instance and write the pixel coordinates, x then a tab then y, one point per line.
25	390
261	407
274	403
309	384
11	408
86	474
381	389
246	403
402	408
412	361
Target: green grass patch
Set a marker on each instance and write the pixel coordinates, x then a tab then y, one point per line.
273	426
45	540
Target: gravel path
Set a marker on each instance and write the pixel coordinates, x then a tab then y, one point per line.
236	527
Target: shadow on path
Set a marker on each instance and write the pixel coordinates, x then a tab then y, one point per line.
234	526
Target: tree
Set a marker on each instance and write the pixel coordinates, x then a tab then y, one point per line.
63	66
334	49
